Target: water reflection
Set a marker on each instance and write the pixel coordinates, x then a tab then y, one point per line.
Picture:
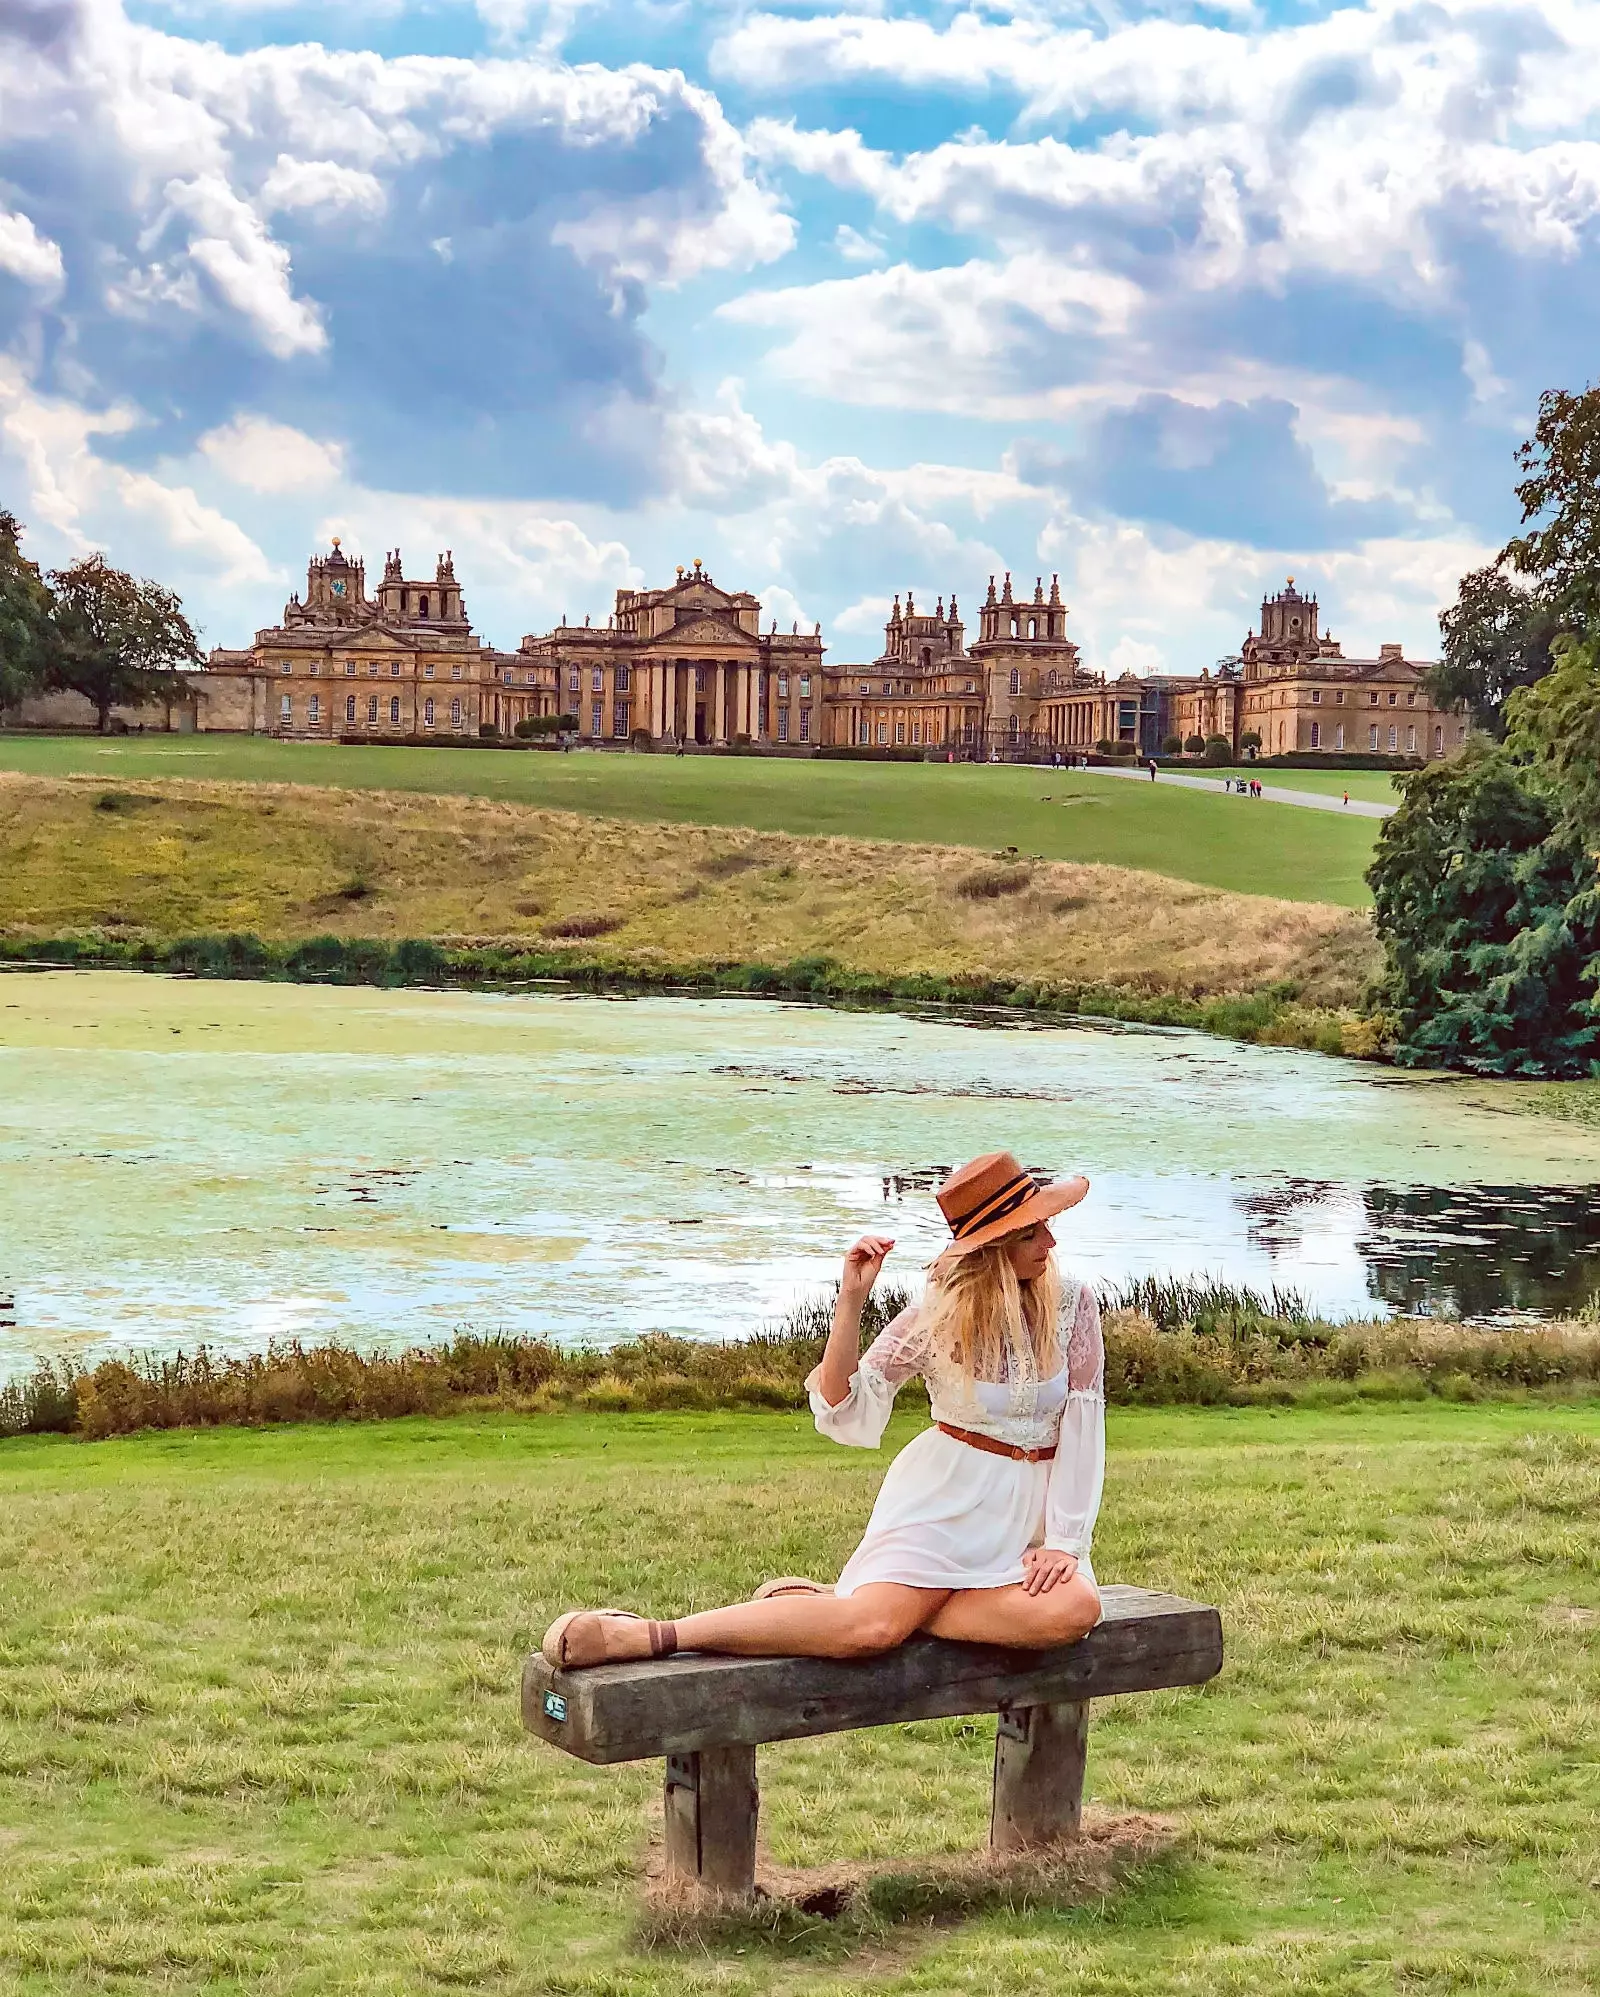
1483	1250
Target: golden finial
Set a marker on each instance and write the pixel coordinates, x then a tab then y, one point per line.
336	540
1291	582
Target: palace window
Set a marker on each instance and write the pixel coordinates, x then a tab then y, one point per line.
1316	696
783	686
1411	698
805	724
427	671
972	686
783	724
619	719
865	731
699	679
1016	680
1033	627
1394	700
394	669
966	728
313	668
597	681
286	708
1014	727
1338	736
899	732
372	669
287	666
574	683
1438	741
1316	733
805	686
865	688
1338	698
455	672
596	715
314	712
394	707
455	714
427	714
350	707
372	708
883	731
624	679
916	731
1393	739
1372	736
1411	741
349	669
422	607
1373	698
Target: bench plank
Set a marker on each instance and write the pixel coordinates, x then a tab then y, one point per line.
680	1705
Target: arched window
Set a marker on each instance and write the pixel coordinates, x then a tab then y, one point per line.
422	606
1033	627
1016	679
427	714
394	707
927	657
350	707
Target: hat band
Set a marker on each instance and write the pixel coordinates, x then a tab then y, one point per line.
1015	1193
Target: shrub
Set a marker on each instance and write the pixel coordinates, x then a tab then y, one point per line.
641	738
1171	745
566	724
990	883
578	926
1218	749
1124	749
1103	747
1194	745
488	732
1249	739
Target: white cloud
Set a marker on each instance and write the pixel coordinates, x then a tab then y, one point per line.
720	458
322	185
857	248
264	456
28	255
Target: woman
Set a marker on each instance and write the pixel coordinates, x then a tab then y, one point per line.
982	1526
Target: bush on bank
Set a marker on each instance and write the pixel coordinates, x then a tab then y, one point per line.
1273	1016
1218	1347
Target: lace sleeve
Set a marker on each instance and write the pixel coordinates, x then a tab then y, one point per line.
893	1357
1086	1352
1072	1501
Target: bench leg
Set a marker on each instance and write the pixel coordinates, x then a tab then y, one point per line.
1039	1754
712	1805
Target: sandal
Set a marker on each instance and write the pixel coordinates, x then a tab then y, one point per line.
577	1640
790	1584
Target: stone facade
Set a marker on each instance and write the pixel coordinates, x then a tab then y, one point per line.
690	665
405	663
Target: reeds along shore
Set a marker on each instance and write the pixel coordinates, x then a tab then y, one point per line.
1166	1343
1273	1016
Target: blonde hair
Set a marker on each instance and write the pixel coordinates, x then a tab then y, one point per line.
983	1324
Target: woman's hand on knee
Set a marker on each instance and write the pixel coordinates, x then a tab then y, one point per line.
1046	1567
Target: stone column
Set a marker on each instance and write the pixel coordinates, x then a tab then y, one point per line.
719	702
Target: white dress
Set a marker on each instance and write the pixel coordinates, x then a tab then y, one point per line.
949	1515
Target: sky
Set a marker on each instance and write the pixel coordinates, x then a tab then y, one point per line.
1172	300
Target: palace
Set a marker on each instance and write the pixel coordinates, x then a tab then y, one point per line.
690	666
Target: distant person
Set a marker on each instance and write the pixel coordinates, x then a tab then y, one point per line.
981	1528
1347	797
1152	769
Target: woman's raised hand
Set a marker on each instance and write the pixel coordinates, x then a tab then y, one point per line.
862	1263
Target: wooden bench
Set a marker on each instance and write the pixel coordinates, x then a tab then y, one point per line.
707	1715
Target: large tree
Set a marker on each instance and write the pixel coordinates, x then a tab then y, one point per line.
121	640
1486	899
27	635
1497	637
1560	495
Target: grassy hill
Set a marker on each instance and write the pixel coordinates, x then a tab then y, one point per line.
159	860
1279	850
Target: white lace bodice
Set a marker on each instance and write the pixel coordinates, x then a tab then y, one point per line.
1068	1409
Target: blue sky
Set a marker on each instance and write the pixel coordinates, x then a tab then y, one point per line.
1172	300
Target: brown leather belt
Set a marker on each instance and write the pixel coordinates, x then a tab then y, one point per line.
988	1444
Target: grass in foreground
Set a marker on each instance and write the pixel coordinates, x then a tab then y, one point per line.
1186	835
260	1729
163	861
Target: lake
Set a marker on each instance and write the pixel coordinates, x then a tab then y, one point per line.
187	1161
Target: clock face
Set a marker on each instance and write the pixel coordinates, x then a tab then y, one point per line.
338	589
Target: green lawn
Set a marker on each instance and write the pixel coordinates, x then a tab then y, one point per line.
1190	835
1373	786
258	1726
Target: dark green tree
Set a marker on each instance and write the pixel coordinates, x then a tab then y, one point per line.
120	640
1487	903
1560	495
1497	637
1553	728
27	635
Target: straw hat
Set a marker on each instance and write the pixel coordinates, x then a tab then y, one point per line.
993	1197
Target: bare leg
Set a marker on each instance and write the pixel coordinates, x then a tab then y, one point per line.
1061	1614
873	1619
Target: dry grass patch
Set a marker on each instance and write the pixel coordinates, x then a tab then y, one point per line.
288	862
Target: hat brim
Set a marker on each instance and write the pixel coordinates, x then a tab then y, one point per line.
1040	1205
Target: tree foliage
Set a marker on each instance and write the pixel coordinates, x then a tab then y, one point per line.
27	634
1497	637
1488	904
120	640
1560	495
